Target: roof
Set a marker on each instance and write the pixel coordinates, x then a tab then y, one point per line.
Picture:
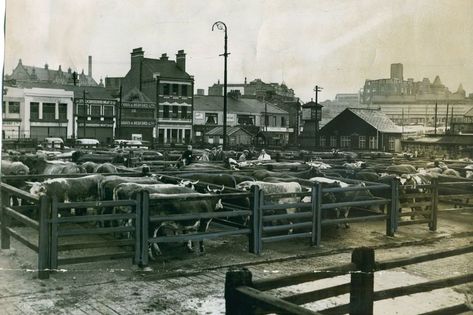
454	139
92	92
218	131
31	73
377	119
166	68
469	113
240	105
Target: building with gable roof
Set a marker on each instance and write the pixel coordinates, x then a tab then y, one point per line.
33	74
159	81
257	117
361	129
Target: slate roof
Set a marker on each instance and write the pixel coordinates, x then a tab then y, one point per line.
454	140
377	119
469	113
218	131
33	73
166	68
241	105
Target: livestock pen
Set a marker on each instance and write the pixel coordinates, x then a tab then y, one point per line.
59	234
245	296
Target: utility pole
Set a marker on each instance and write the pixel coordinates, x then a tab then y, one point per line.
221	26
446	120
119	124
317	89
85	110
435	119
157	111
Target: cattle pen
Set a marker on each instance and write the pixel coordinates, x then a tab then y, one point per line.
245	296
42	215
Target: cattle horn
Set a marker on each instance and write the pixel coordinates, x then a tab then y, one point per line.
208	188
223	188
195	183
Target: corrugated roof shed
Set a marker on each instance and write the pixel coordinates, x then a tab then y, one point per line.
240	105
218	131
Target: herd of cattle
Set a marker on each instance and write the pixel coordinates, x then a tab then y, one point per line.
211	179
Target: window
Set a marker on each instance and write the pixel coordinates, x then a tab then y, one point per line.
333	141
165	111
108	111
81	110
392	142
362	142
175	89
14	107
62	111
49	111
283	121
184	112
246	120
175	112
166	89
211	119
95	110
34	110
322	141
4	109
184	91
372	143
345	141
266	120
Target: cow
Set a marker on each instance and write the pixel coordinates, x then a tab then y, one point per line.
262	174
401	169
105	168
342	196
15	168
89	166
367	176
469	171
276	188
69	189
174	205
39	165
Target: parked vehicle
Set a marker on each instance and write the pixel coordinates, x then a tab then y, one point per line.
53	143
87	143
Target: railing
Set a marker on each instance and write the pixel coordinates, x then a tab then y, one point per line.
245	296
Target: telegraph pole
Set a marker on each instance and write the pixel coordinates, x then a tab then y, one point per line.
317	89
446	120
435	119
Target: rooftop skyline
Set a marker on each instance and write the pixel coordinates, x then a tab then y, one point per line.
334	44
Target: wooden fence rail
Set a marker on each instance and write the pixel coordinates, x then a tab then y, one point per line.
245	296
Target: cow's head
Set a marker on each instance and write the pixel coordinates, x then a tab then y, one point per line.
246	185
36	188
215	190
188	183
219	205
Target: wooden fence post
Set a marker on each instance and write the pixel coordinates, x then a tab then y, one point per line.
392	209
138	225
362	281
5	242
235	278
435	200
256	221
54	234
316	203
44	263
144	229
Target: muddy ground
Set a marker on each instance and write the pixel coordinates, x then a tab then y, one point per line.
184	283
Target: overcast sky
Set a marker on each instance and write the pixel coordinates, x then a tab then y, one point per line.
334	44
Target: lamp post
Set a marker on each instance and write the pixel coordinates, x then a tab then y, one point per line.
317	113
156	127
221	26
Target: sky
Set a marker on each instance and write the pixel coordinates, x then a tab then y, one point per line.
336	44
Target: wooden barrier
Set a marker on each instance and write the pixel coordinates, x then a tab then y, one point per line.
245	296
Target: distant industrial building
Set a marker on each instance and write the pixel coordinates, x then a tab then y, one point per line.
411	102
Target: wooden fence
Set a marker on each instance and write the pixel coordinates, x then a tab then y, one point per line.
307	222
245	296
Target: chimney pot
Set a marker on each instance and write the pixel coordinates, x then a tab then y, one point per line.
164	57
46	66
181	60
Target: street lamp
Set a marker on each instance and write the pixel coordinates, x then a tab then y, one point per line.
85	109
221	26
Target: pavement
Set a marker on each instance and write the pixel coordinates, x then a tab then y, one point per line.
184	283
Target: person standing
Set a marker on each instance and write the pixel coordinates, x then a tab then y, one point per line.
243	156
219	155
264	156
205	156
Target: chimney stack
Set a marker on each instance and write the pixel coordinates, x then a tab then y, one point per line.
164	57
89	72
136	56
181	60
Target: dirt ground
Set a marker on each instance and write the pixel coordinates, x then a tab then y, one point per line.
186	283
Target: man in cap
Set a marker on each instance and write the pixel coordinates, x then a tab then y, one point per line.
219	155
